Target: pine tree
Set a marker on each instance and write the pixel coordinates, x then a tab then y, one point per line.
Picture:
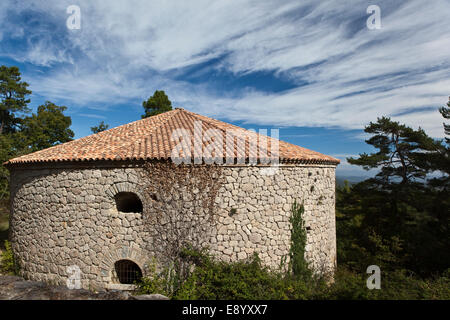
156	104
445	111
13	99
401	155
102	126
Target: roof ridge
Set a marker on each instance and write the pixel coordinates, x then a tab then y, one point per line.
207	120
168	115
212	121
270	139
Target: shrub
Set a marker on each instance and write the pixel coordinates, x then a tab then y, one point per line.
250	280
157	282
217	280
7	264
347	285
247	280
395	285
404	285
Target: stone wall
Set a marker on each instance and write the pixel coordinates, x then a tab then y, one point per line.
67	215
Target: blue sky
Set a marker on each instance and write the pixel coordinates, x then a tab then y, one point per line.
309	68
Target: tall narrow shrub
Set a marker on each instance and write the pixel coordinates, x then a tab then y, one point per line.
298	264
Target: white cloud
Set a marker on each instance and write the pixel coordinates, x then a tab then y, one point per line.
125	50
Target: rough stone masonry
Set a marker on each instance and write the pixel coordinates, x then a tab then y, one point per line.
66	207
67	216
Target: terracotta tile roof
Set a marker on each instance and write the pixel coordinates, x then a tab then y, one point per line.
151	138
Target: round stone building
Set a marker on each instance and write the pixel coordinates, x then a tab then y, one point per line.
108	206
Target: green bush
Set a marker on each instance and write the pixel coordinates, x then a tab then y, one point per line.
395	285
7	264
218	280
250	280
347	285
404	285
239	280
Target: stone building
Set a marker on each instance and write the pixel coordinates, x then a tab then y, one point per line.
109	205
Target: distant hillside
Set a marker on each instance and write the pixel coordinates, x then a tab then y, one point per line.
351	179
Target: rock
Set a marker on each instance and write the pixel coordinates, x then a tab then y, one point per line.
255	237
242	255
155	296
16	288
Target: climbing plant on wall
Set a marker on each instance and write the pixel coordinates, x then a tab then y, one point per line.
298	264
181	209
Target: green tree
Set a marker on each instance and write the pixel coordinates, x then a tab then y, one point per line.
397	218
402	152
445	111
102	126
13	99
6	153
441	159
48	127
156	104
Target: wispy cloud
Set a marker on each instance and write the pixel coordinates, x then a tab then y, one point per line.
342	74
91	115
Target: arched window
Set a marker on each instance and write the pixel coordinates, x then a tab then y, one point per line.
127	271
128	202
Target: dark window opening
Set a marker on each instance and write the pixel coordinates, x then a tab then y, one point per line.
128	202
127	271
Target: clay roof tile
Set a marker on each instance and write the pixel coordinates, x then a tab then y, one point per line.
151	138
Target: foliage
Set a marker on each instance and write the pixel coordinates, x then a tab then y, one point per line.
212	279
399	218
102	126
13	99
7	264
154	282
13	104
250	280
6	152
156	104
4	222
395	285
175	229
47	128
297	263
445	112
220	280
401	155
